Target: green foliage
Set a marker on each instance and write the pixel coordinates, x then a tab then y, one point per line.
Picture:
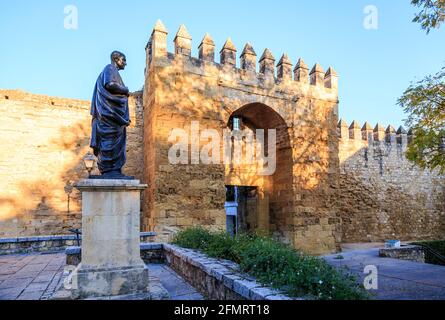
438	246
431	15
424	102
193	238
275	264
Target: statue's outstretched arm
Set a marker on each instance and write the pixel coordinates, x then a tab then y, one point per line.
116	88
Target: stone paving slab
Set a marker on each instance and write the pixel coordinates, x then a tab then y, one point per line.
10	294
29	277
31	295
397	279
176	286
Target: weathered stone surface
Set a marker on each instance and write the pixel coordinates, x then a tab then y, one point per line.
262	293
410	253
243	287
111	223
93	283
111	259
154	290
384	196
150	253
50	243
217	279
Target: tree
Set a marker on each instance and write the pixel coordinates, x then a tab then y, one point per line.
424	101
431	15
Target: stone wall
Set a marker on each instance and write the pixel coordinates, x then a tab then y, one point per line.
48	243
383	195
44	140
218	279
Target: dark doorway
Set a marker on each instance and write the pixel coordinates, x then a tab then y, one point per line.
241	209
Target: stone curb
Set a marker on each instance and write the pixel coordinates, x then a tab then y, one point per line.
47	243
228	273
55	238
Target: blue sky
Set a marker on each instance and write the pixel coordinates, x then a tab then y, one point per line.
375	66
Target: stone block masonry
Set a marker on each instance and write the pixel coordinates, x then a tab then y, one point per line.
383	195
111	259
410	253
47	244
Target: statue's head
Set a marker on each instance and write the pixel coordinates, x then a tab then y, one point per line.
119	60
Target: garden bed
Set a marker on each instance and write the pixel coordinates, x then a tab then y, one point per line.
276	265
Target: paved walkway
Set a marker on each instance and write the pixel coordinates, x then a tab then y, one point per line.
397	279
176	286
36	276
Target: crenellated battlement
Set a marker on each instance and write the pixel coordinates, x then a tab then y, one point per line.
370	135
264	72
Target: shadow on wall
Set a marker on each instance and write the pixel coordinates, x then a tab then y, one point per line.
47	140
41	199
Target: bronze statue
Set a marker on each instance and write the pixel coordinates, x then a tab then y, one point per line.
109	109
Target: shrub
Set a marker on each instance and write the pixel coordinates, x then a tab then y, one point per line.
193	238
276	264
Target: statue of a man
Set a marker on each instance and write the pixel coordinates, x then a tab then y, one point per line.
109	109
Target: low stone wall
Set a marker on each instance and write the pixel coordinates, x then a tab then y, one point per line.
47	243
410	253
35	244
215	279
150	253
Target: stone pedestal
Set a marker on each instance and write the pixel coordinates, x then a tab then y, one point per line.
111	261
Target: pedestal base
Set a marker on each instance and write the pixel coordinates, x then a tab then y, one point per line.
91	283
153	291
111	258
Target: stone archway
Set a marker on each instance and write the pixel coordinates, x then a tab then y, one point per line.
275	191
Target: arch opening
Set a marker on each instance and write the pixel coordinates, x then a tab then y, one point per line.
256	202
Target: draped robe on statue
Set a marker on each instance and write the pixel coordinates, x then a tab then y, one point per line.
110	119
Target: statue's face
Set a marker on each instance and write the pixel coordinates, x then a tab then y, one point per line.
121	62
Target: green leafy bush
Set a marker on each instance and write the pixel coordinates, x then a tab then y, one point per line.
276	264
193	238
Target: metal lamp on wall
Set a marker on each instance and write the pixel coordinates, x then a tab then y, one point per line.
89	160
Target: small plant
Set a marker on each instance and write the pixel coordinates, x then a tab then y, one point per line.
276	264
193	238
